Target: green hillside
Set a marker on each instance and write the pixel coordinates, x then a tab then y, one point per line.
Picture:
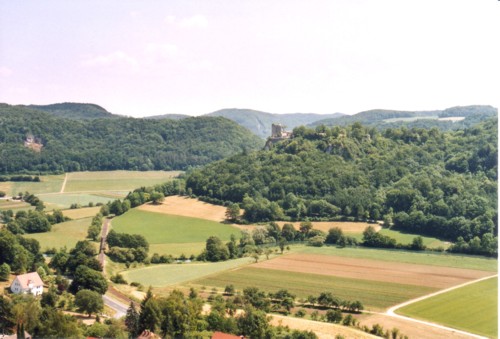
109	144
74	110
442	184
421	119
260	122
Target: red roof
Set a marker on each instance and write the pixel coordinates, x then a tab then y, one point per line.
29	278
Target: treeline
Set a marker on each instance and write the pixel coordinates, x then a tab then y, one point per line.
112	144
25	178
427	182
31	221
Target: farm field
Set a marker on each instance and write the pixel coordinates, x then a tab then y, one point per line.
373	270
115	180
80	213
373	294
47	184
177	250
65	200
424	258
164	229
14	205
472	308
63	234
407	238
172	274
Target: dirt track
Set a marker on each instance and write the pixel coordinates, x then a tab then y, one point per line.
411	274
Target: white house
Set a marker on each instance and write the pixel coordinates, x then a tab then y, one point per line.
27	283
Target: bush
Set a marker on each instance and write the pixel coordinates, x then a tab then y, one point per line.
118	279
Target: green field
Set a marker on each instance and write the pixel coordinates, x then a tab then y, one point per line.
14	205
115	180
424	258
172	274
65	200
48	184
63	234
407	238
176	250
473	308
373	294
160	228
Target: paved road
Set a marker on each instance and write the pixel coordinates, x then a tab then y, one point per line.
120	308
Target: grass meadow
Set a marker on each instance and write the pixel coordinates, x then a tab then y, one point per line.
65	200
63	234
373	294
473	308
160	228
48	184
407	238
172	274
115	180
80	213
424	258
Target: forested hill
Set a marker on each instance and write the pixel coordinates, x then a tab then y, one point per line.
61	144
425	181
260	122
423	119
75	110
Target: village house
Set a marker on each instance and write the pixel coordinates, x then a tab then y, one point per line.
27	283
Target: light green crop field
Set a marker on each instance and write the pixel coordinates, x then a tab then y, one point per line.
407	238
424	258
373	294
473	308
172	274
177	250
48	184
14	205
159	228
115	180
81	213
63	234
65	200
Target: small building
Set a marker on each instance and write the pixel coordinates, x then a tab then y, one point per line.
27	283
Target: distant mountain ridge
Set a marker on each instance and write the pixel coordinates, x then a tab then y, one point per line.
78	111
260	122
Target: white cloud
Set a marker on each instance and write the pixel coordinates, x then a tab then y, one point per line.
161	51
195	21
114	59
5	72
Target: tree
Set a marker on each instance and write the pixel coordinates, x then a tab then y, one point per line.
334	316
132	321
6	317
4	272
417	244
233	212
253	323
149	317
89	302
157	198
87	278
216	250
334	235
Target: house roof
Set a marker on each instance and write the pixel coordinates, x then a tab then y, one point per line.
26	279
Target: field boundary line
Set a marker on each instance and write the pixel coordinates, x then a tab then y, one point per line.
391	311
64	183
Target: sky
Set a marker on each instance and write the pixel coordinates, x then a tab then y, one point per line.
143	58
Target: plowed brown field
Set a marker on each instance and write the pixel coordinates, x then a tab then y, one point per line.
411	274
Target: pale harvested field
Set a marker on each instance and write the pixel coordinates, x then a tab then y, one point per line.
188	207
80	213
366	269
346	226
409	328
323	330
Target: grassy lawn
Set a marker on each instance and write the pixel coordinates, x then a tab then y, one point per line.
424	258
177	249
64	200
407	238
47	184
374	295
116	180
473	308
172	274
63	234
80	213
161	228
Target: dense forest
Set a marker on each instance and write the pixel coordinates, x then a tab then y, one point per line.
119	143
423	181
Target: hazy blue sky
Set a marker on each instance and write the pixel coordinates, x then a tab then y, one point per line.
179	56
